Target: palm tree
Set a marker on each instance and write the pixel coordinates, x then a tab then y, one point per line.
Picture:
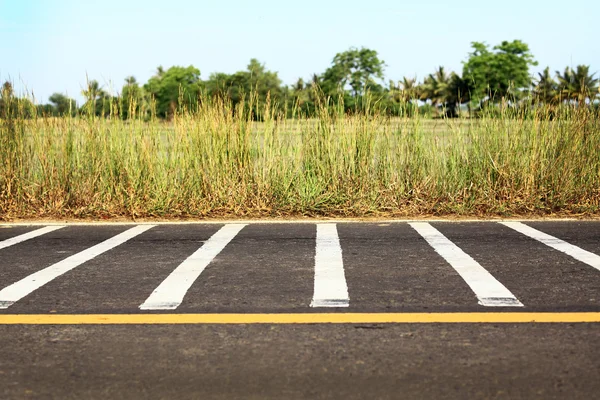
409	88
394	90
425	89
545	88
130	80
458	91
93	91
404	91
435	87
95	97
578	84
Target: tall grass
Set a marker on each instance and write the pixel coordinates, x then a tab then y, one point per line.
218	162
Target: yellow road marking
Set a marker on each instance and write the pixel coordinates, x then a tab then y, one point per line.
299	318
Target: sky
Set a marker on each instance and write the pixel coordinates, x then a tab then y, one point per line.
49	46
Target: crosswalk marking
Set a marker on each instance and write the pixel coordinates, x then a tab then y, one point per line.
15	292
170	293
29	235
330	288
577	253
489	291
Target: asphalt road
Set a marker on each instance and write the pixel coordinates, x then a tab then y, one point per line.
301	269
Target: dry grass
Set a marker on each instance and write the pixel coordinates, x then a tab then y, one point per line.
214	164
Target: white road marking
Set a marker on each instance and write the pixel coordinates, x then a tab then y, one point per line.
577	253
15	292
330	283
488	290
170	293
28	235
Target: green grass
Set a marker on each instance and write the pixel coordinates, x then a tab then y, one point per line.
212	164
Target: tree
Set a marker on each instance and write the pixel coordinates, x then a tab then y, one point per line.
445	90
409	88
458	91
405	90
93	91
354	68
501	73
577	85
97	101
256	80
14	107
262	80
302	97
401	96
132	101
46	110
7	101
62	105
435	87
173	89
545	88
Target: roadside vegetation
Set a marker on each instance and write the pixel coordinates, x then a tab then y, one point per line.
492	142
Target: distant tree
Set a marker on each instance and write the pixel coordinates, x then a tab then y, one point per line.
47	110
12	106
395	91
299	86
220	84
409	89
175	88
356	69
545	88
401	97
577	85
446	91
93	91
7	101
263	80
97	101
132	100
62	105
256	81
7	90
501	73
404	91
435	87
458	91
301	98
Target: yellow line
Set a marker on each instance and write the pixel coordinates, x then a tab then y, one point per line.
308	318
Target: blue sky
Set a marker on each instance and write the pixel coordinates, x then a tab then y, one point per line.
49	46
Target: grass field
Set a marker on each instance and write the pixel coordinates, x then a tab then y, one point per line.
212	164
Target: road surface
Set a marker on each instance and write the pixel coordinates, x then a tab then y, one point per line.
301	310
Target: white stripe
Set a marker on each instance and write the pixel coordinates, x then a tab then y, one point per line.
488	290
28	235
577	253
330	282
170	293
27	285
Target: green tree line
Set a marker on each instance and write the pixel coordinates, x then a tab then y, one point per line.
355	81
